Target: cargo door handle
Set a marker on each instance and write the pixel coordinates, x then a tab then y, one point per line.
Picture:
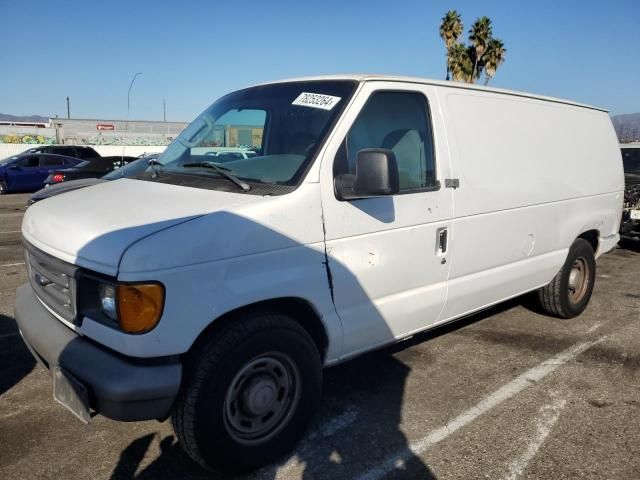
442	238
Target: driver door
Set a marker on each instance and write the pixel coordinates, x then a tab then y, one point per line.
25	174
388	262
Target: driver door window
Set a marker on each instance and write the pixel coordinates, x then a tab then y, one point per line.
397	121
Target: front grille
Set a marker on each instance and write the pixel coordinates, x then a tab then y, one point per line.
54	282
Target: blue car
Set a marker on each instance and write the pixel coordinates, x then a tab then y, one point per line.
27	172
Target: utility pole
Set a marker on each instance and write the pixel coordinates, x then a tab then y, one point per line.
164	111
68	111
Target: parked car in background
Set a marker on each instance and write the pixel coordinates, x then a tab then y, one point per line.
130	170
85	153
94	168
27	171
630	226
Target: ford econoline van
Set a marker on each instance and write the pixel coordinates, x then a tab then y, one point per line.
213	290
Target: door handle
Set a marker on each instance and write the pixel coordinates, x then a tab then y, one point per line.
442	235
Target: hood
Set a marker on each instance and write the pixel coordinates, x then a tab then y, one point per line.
93	227
58	188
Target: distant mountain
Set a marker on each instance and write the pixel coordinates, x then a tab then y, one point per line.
627	127
27	118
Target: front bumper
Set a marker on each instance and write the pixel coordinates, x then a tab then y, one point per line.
120	388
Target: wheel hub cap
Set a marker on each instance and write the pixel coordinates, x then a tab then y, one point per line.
259	395
261	398
578	279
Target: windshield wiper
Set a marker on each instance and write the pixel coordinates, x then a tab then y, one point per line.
245	187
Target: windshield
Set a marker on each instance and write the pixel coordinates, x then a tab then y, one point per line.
130	169
631	160
265	134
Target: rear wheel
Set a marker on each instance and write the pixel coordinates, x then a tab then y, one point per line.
249	393
570	290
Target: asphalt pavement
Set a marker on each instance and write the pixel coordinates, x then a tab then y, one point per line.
508	393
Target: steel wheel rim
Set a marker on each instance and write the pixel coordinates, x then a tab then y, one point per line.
579	277
261	398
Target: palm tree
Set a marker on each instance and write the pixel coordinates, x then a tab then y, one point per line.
459	62
450	30
493	58
479	36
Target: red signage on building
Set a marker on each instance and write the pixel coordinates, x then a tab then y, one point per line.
105	126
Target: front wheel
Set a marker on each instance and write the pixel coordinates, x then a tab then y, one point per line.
3	188
249	393
570	290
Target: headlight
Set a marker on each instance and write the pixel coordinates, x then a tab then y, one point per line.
136	307
108	301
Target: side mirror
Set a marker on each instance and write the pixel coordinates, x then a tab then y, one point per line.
376	176
14	167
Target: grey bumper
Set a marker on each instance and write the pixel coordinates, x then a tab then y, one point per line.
119	388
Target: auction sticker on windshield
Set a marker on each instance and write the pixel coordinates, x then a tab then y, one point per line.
316	100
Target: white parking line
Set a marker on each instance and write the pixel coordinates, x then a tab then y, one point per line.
512	388
11	231
11	264
549	415
329	428
594	328
337	423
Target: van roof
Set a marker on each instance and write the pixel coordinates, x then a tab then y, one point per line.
428	81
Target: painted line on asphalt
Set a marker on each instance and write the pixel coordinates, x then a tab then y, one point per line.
549	415
327	429
337	423
594	328
11	264
11	231
504	393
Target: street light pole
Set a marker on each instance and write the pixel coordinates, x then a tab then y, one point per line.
129	92
126	123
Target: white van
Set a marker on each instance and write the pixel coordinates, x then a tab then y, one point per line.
375	207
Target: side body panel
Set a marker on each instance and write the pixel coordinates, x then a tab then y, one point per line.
534	175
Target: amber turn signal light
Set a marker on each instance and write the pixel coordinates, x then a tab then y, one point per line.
139	306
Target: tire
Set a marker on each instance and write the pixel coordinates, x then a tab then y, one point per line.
570	290
219	416
3	188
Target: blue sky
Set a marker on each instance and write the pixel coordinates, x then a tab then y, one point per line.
192	52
